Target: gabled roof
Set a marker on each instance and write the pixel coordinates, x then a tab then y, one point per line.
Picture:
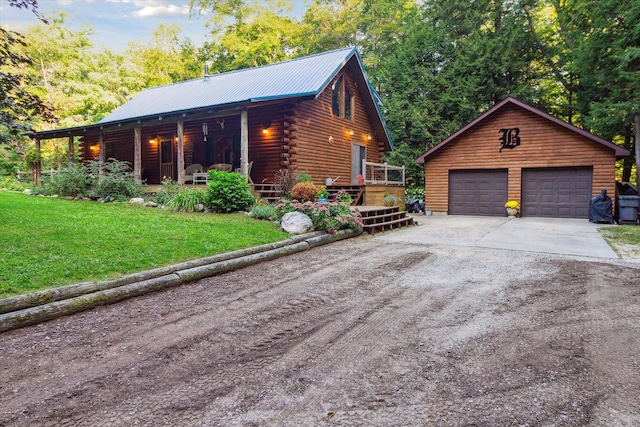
296	78
620	152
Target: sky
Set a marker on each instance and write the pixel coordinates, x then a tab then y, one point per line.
116	22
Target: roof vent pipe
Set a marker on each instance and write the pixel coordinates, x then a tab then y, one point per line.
206	69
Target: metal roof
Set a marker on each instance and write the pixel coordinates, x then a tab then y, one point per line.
296	78
619	151
293	78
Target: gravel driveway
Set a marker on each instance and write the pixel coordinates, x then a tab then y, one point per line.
389	330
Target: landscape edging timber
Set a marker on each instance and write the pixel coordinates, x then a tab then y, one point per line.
36	307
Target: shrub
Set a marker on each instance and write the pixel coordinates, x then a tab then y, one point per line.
267	212
188	200
304	177
11	183
228	192
71	181
117	182
167	192
343	196
330	216
284	180
304	191
414	193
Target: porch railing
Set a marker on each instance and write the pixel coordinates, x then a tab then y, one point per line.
382	173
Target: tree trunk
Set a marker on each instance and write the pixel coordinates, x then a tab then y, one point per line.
636	139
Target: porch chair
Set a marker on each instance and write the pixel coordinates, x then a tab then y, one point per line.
190	170
239	170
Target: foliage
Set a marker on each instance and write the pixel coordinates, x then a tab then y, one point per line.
304	177
304	191
414	193
285	179
267	212
512	204
343	196
11	183
71	181
166	59
249	34
167	192
40	246
228	192
19	106
330	216
390	199
188	200
116	181
322	192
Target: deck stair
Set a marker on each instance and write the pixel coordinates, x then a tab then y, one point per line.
267	192
382	218
355	191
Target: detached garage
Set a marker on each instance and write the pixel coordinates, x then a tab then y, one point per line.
516	152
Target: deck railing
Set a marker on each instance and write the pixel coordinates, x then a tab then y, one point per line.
382	173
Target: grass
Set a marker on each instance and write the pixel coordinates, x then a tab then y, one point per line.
47	242
628	235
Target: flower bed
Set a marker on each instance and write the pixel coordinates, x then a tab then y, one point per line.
328	216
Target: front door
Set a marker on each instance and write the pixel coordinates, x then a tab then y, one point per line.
166	158
358	154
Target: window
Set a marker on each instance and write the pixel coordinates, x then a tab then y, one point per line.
348	99
341	99
336	97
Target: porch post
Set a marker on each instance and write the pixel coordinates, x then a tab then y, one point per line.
137	154
244	143
180	152
37	171
102	155
71	149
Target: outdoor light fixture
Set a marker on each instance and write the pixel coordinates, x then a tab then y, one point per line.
265	130
350	131
368	137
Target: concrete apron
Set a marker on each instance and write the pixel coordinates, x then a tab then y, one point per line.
549	235
28	309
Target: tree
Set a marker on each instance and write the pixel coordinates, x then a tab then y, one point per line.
451	62
19	107
167	58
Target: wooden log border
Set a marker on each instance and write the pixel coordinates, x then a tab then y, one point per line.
36	307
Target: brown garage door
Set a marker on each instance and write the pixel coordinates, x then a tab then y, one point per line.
556	192
478	192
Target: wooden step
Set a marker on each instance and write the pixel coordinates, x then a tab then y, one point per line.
388	225
382	218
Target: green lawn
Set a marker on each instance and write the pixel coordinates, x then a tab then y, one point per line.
47	242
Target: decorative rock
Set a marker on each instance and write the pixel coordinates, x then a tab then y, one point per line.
28	191
199	207
296	223
138	200
151	204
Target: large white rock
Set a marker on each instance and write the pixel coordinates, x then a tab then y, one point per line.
138	200
296	223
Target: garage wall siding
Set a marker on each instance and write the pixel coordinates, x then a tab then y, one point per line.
543	144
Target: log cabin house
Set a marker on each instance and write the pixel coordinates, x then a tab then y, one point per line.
516	152
317	114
